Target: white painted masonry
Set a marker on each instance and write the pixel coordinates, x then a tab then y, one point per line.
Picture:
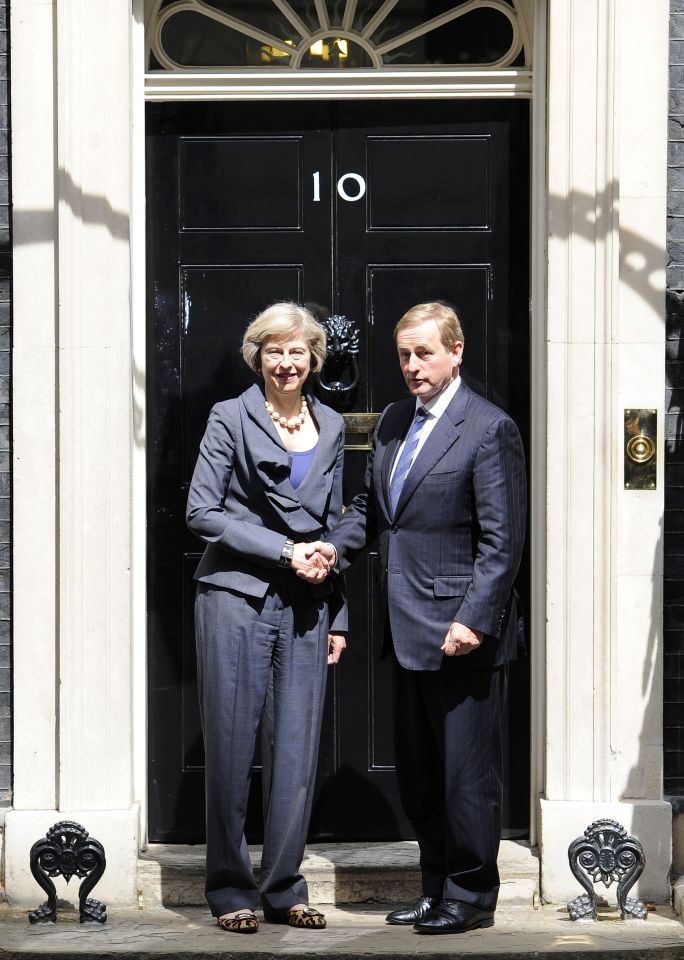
79	574
34	401
606	329
72	578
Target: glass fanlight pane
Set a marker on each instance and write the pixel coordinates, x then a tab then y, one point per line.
481	36
404	15
193	40
305	10
336	53
265	15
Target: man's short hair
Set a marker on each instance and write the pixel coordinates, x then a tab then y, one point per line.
445	317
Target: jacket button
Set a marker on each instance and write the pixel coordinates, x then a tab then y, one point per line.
394	528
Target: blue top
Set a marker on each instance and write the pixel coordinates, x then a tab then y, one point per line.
300	461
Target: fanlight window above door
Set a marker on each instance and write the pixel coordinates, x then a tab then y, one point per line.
336	34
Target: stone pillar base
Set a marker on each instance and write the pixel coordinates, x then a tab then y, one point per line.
117	830
561	821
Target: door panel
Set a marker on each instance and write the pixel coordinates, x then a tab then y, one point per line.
360	209
210	339
267	168
428	196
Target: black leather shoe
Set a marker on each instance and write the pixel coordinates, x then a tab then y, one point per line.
454	916
416	911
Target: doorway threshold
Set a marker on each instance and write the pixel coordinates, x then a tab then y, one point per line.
172	875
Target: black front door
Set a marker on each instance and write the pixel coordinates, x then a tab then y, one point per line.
359	209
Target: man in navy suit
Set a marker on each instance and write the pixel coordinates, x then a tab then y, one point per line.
445	499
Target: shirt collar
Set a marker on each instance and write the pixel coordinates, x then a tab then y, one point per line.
436	406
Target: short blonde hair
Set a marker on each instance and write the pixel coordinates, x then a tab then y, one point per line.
445	317
283	319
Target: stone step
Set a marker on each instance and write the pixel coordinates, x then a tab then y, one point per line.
173	876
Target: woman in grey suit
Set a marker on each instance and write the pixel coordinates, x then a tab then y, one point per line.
267	481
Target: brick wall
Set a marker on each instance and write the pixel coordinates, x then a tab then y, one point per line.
5	420
673	728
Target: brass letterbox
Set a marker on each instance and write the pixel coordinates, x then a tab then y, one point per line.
359	430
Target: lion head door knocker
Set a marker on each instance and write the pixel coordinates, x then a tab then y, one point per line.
607	854
67	850
338	381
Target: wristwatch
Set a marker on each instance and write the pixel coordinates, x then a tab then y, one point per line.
287	554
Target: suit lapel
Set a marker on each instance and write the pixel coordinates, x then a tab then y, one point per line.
403	421
443	436
263	435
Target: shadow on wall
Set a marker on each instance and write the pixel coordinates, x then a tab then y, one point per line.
642	262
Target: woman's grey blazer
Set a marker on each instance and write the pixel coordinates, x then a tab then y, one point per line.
242	504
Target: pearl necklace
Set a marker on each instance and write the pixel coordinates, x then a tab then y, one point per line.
293	423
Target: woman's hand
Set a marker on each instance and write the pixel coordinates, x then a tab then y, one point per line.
320	555
336	644
314	568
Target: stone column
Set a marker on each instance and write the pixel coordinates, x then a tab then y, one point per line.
73	430
606	331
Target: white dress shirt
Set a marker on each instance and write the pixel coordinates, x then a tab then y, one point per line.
435	407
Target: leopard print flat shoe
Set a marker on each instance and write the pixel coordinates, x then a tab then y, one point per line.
305	917
242	922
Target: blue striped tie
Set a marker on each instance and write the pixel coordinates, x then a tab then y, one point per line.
406	458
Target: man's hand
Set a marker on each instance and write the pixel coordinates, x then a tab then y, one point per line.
324	549
309	564
461	640
336	644
321	555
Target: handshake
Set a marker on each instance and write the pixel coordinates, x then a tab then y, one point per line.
314	561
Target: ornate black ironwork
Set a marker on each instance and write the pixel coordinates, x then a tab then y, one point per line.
606	853
68	851
341	358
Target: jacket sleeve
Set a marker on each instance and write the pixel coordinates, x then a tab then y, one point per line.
206	515
500	507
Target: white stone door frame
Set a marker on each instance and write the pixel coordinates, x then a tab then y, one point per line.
73	720
607	147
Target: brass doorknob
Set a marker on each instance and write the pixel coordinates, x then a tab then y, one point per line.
641	448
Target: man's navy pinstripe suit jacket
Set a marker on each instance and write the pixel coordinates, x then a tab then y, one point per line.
452	549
